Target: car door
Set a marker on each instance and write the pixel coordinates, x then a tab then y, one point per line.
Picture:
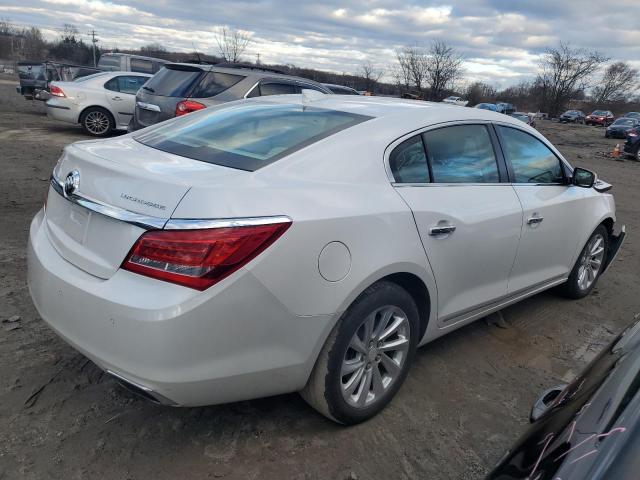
553	213
121	95
469	221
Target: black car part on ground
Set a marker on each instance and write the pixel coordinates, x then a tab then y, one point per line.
591	429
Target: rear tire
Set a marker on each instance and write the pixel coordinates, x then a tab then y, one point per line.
97	122
588	267
367	356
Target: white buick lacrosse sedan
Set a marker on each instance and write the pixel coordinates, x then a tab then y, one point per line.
306	244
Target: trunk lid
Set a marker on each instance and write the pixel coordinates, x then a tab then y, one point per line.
157	100
120	175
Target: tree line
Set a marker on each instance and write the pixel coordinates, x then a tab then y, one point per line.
566	76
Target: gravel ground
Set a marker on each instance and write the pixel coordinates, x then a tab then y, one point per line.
466	399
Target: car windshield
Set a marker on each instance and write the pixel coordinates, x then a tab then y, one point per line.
633	115
624	121
248	136
520	116
599	113
570	112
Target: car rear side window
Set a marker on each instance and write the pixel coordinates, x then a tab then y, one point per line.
247	136
125	84
173	82
461	154
214	83
532	161
141	66
277	89
408	162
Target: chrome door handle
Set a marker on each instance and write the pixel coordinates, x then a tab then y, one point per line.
435	231
535	220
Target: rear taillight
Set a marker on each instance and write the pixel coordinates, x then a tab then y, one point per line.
56	91
187	106
199	258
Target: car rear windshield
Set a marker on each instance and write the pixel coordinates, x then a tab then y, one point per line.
247	136
624	121
173	82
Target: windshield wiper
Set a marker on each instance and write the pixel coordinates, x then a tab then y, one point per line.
149	89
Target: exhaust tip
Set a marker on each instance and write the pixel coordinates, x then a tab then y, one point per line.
142	391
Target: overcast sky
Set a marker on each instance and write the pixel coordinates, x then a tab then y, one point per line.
499	39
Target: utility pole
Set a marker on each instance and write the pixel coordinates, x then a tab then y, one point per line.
258	58
94	40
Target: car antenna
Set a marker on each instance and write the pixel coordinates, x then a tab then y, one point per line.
196	52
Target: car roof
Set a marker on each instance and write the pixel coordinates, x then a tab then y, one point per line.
399	115
255	72
335	85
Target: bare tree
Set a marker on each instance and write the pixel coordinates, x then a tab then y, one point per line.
443	67
564	72
479	92
153	48
412	62
619	81
232	43
371	74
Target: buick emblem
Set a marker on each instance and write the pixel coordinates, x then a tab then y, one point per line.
71	183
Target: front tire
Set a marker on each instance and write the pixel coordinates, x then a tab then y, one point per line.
367	356
588	267
97	122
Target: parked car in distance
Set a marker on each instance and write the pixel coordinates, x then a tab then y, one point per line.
631	147
100	103
199	262
620	127
572	116
525	117
635	115
181	88
341	89
505	108
599	117
487	106
456	101
589	429
126	62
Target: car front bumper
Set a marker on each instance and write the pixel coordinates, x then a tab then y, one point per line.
235	341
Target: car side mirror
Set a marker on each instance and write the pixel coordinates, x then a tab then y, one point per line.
583	178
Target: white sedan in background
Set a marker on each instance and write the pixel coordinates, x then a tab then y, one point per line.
284	244
101	103
456	101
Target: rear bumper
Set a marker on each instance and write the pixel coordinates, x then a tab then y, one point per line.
60	111
615	242
233	342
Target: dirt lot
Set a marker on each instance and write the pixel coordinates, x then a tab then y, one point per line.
466	399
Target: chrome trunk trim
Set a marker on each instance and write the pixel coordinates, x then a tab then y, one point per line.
158	223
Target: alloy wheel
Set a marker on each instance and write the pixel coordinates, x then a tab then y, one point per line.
591	262
97	122
375	356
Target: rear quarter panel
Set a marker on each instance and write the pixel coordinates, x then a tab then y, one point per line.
334	191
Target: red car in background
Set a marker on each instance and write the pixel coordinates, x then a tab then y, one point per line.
600	117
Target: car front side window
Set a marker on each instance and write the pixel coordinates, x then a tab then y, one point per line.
532	161
461	154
